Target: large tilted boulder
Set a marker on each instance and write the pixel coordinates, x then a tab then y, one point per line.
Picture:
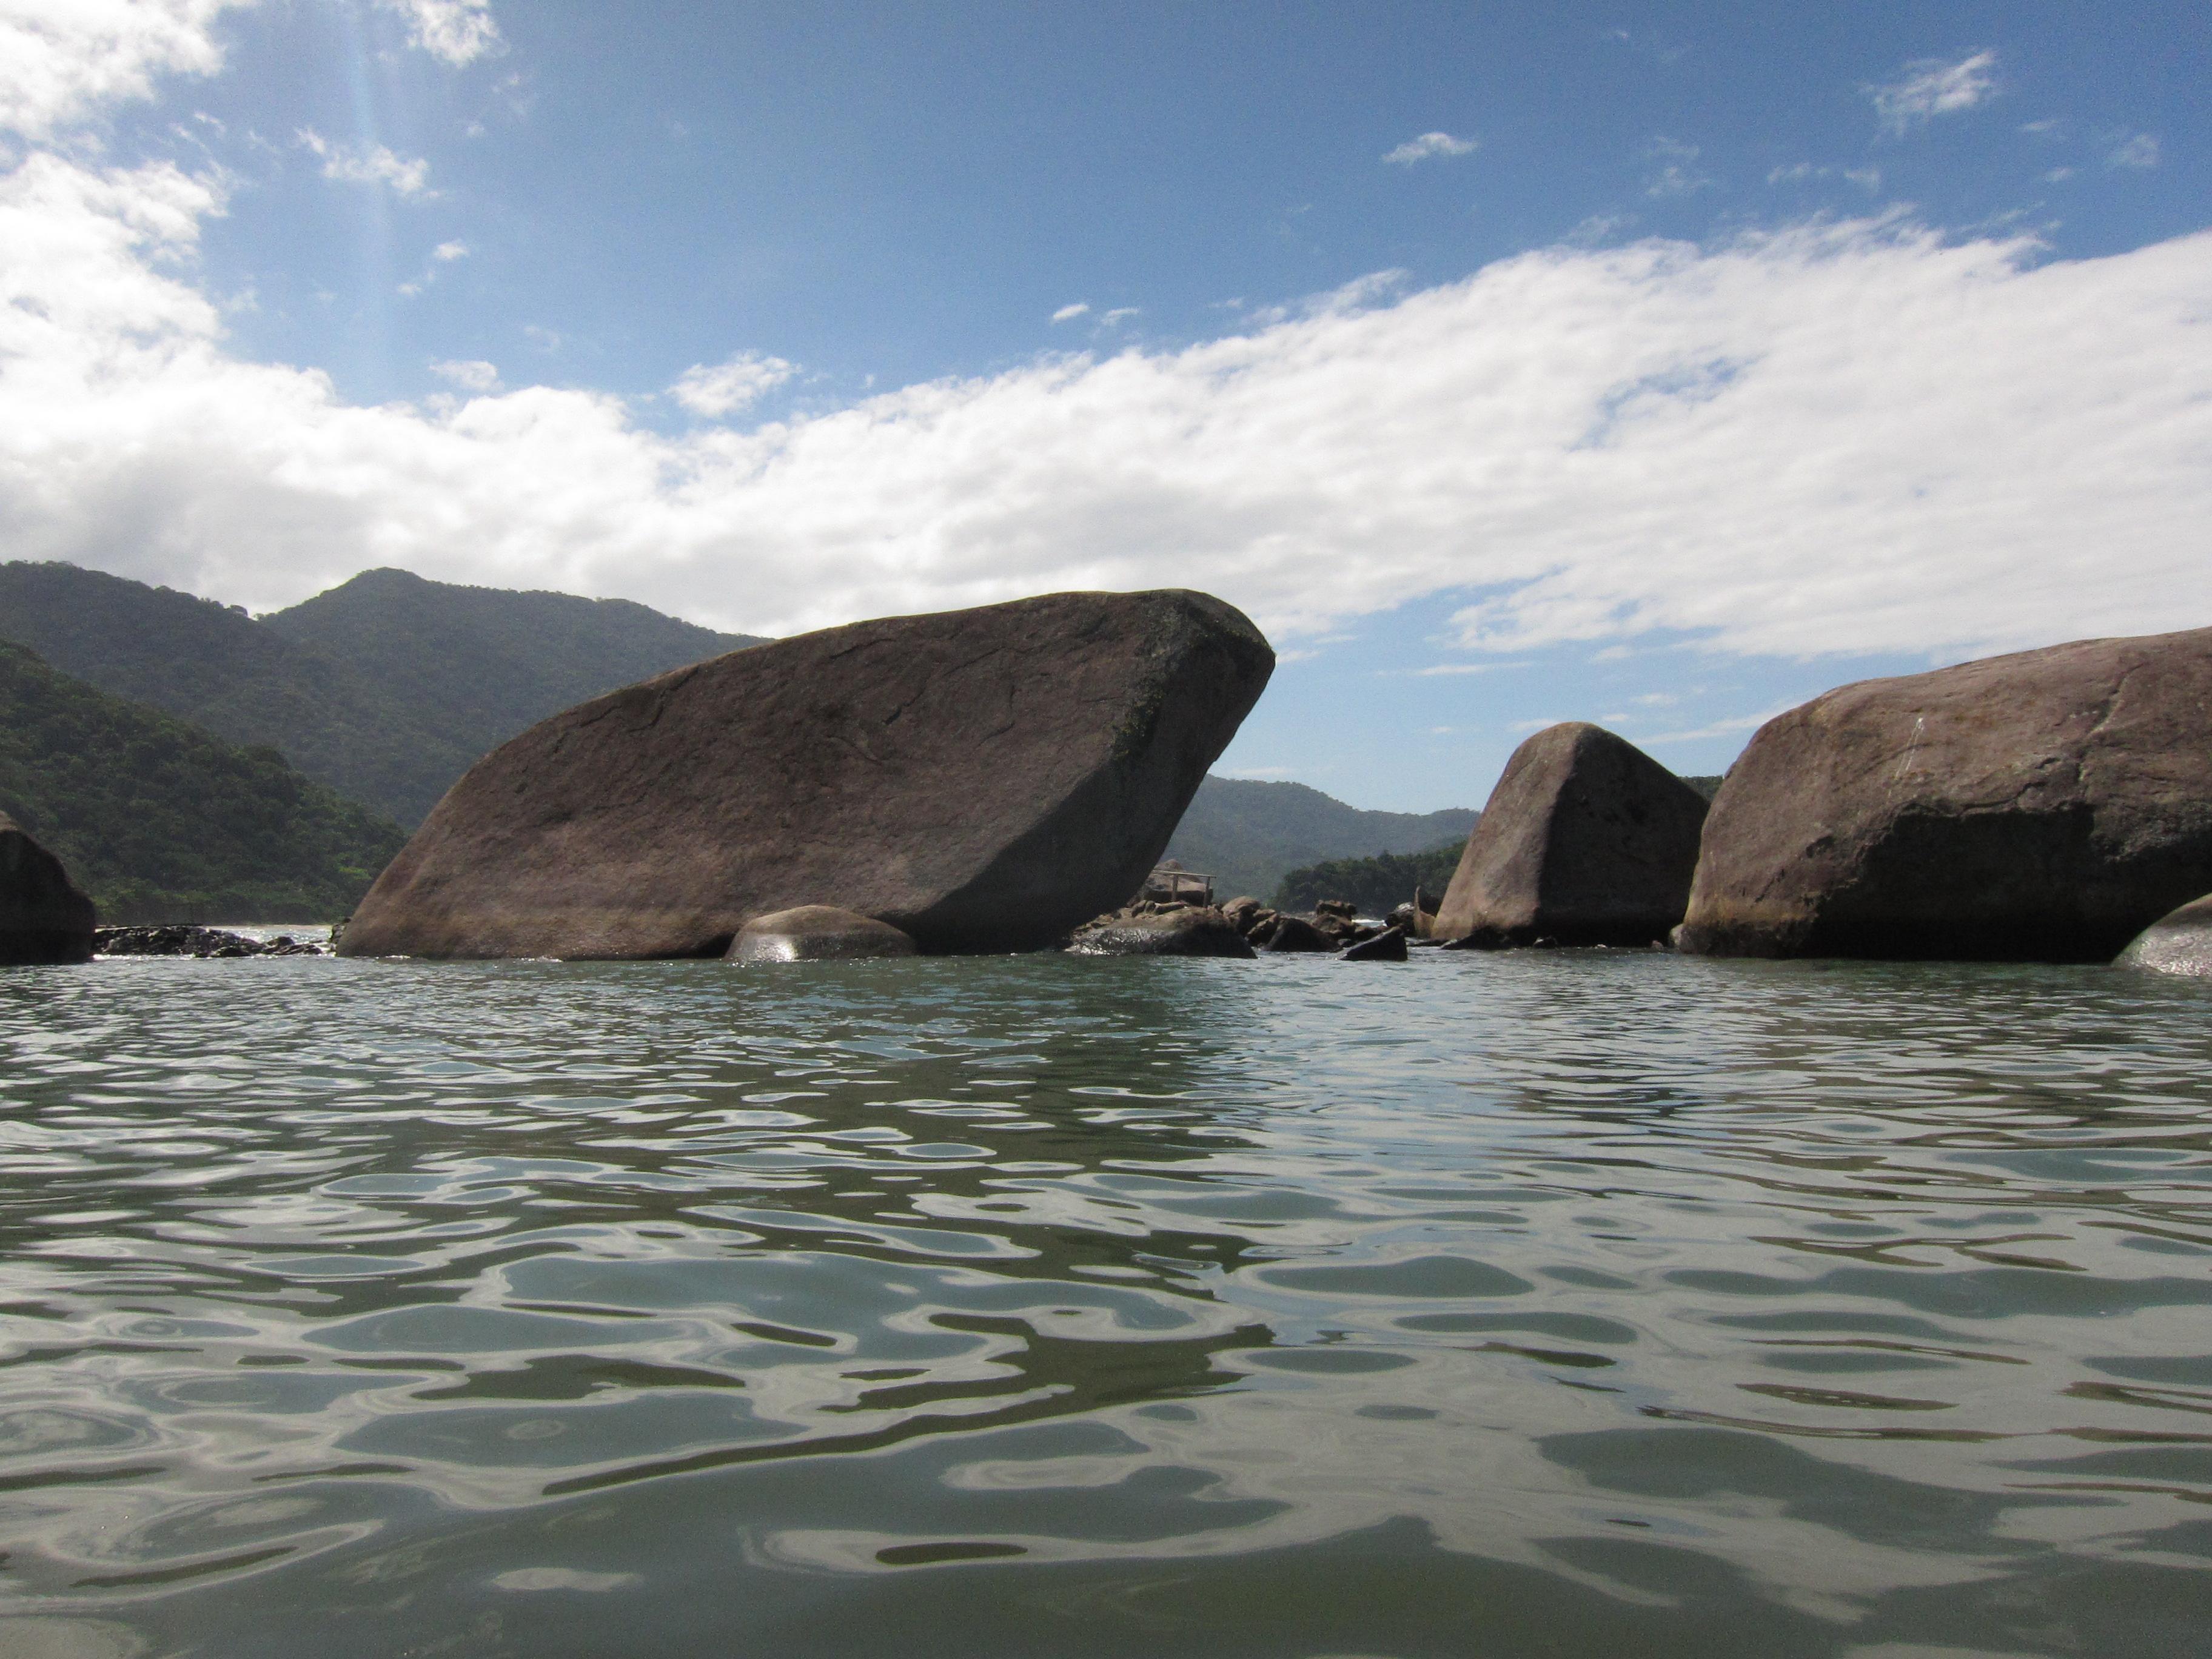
2179	942
1586	840
43	917
2043	806
981	779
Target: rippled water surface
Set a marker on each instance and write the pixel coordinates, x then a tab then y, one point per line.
1547	1303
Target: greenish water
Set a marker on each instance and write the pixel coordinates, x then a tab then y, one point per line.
1553	1303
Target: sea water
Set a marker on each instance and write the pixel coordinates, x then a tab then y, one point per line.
1552	1302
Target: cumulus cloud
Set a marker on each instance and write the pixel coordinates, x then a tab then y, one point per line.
470	375
1428	144
1930	87
731	386
60	61
368	164
447	252
458	32
1846	436
1069	313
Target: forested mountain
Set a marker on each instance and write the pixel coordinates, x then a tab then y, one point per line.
159	821
219	669
1248	835
479	664
386	688
1377	885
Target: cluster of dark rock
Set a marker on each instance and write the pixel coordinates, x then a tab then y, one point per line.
182	939
1241	929
2049	806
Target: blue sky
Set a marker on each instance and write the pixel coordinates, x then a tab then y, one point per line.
1661	365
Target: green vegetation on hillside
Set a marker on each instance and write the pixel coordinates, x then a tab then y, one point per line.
480	663
386	688
159	821
1377	885
1248	835
230	675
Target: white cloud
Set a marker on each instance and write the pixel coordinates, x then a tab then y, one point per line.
2139	151
1930	87
1119	315
457	31
369	164
1800	173
1836	437
730	385
1678	175
471	375
1069	313
58	62
447	252
1428	144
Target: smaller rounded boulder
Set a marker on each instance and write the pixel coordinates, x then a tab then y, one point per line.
2179	942
817	933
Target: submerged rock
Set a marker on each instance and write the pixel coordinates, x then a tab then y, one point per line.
1192	931
817	933
1586	840
981	779
1388	945
2047	806
2179	942
43	917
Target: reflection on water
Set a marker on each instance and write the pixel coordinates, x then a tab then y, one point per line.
1535	1303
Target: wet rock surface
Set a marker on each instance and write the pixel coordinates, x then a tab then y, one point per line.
982	779
1296	933
43	916
1388	945
2047	806
1162	930
2179	942
183	940
817	933
1586	840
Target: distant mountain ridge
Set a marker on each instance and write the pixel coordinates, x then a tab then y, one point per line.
482	664
159	822
1248	835
386	688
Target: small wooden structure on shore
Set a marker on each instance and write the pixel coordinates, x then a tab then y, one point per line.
1171	883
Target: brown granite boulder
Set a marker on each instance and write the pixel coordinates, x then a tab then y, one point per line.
1294	934
2047	806
43	917
2179	942
1190	930
1388	945
1586	840
817	933
981	779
